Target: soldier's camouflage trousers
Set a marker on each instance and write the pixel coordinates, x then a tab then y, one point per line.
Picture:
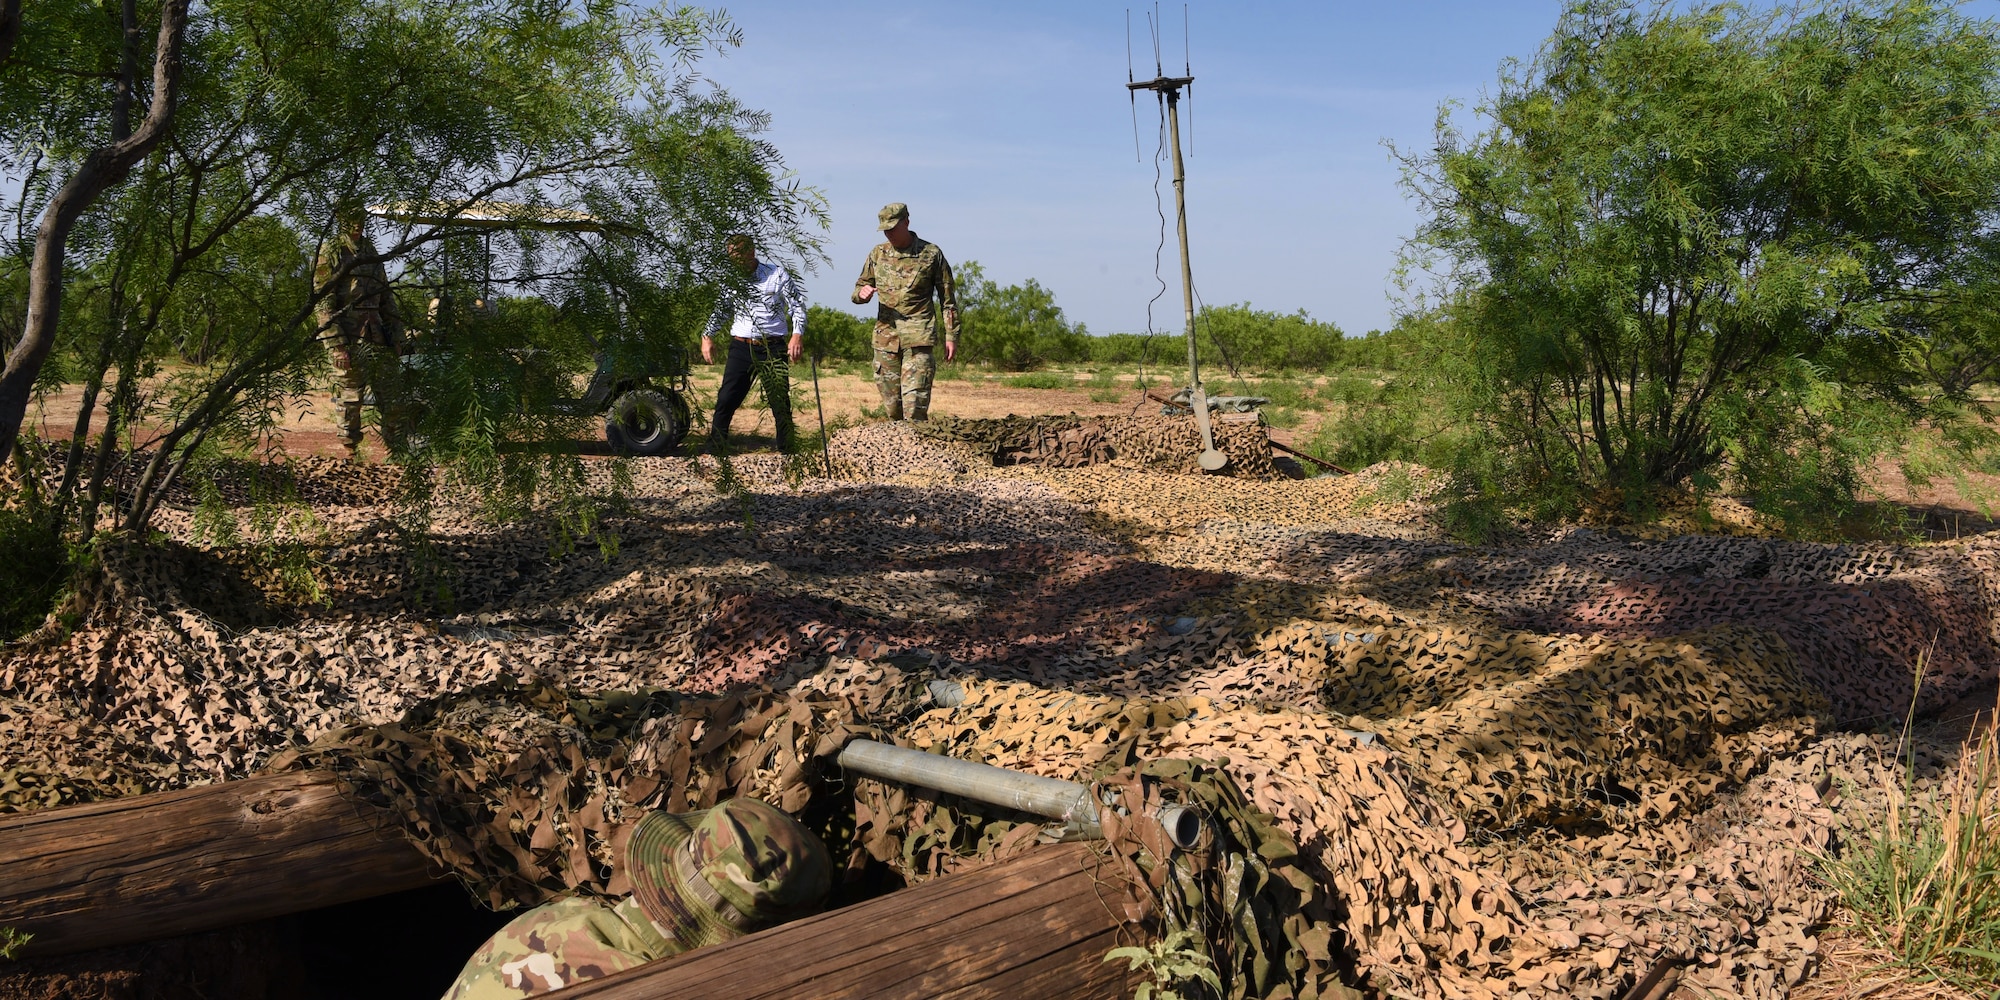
561	944
905	380
365	373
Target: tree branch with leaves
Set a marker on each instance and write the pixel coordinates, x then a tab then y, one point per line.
1718	248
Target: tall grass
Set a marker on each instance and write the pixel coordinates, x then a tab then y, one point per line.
1928	884
1042	380
1290	393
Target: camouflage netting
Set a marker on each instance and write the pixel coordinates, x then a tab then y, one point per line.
1536	770
523	790
1159	443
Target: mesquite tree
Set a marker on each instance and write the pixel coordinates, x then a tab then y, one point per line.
1699	244
99	167
288	113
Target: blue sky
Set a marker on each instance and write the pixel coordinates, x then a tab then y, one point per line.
1007	129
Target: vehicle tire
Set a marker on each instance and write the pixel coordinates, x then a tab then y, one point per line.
646	422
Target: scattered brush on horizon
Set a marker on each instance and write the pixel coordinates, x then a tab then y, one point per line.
1042	380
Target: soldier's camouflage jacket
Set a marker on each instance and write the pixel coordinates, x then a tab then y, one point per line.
561	944
360	307
906	281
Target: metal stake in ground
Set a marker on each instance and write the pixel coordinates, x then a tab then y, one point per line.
825	449
1169	87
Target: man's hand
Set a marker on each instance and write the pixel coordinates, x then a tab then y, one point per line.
950	348
707	351
864	293
796	349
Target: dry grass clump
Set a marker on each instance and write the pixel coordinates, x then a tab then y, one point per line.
1926	888
1852	965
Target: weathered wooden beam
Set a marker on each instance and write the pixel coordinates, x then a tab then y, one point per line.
1035	926
1322	463
154	866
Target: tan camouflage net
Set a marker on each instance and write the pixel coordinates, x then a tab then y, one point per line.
1592	752
1158	443
1426	913
1523	730
523	790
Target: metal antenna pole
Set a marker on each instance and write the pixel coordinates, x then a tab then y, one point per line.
825	447
1170	87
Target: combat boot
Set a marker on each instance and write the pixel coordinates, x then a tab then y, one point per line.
920	413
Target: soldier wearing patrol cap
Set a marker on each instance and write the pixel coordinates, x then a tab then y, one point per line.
907	273
698	879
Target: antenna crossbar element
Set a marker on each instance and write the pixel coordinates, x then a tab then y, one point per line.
1169	85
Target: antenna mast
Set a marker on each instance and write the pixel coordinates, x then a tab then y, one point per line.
1169	88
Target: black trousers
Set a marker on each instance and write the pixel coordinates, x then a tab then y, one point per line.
762	361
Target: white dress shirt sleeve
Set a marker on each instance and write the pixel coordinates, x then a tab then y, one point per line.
795	302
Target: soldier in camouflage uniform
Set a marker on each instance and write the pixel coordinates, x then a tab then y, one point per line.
907	273
358	322
697	878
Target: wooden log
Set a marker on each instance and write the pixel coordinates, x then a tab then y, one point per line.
154	866
1322	463
1036	926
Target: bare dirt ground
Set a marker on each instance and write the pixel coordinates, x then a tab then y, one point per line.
311	427
1947	507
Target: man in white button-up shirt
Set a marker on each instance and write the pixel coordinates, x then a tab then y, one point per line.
755	327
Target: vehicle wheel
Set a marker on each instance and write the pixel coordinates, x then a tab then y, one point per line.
646	422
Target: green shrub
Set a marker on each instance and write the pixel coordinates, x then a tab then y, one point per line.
1252	339
1017	327
1257	341
1379	350
1380	424
837	334
1296	395
1178	966
35	569
1136	348
1347	390
1042	380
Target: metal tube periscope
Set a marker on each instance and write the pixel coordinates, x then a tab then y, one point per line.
1060	800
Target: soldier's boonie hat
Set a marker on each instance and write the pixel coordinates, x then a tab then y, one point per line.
891	214
706	877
